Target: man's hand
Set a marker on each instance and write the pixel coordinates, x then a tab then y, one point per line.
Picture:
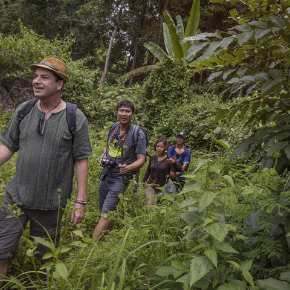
124	168
77	214
172	175
171	160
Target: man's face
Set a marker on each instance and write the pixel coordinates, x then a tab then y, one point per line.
180	140
44	83
125	115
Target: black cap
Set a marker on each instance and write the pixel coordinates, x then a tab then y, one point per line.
182	134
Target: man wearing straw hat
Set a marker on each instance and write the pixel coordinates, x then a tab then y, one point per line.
47	154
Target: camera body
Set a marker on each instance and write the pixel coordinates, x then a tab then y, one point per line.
108	164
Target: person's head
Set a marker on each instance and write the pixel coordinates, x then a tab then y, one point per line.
180	138
161	146
50	75
125	112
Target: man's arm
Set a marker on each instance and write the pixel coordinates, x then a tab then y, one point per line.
82	175
141	158
5	154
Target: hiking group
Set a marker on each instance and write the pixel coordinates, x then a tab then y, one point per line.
52	138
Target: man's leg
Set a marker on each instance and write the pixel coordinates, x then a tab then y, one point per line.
150	195
3	270
42	224
109	190
10	233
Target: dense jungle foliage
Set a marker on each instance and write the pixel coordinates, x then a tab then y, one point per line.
227	88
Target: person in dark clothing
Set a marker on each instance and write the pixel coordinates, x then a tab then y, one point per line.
158	169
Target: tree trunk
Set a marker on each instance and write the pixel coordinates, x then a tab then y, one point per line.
111	45
161	28
138	35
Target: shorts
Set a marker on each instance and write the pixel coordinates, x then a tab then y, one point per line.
109	191
11	231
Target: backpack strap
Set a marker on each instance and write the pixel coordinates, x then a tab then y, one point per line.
71	118
26	109
112	128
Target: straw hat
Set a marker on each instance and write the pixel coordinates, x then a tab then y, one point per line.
55	65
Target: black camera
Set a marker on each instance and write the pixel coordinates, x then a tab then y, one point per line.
108	164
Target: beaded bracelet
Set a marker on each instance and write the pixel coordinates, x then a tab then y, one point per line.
80	201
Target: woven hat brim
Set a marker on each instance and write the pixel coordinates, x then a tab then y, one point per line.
33	67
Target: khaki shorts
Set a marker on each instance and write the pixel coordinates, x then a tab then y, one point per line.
11	230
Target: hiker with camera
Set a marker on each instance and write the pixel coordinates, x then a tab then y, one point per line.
182	154
158	170
52	138
124	154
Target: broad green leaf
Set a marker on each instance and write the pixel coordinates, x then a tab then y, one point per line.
194	49
226	247
228	286
206	63
243	28
47	255
273	284
177	264
277	21
61	270
277	147
235	264
46	265
241	285
260	24
30	253
165	271
211	48
188	202
246	265
175	41
228	57
184	279
217	230
216	60
223	143
229	180
167	41
249	278
45	242
192	23
214	75
78	233
244	111
212	255
270	84
206	199
275	73
226	42
259	33
190	218
227	73
199	267
285	276
179	27
156	50
244	37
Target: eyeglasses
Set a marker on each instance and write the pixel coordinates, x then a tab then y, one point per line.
41	124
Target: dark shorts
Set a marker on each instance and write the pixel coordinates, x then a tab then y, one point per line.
11	231
109	191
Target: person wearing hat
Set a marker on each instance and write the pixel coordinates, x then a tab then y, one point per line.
47	155
182	154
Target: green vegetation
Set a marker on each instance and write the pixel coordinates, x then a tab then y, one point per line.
229	226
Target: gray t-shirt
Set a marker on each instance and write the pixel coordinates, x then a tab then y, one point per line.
130	149
45	163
